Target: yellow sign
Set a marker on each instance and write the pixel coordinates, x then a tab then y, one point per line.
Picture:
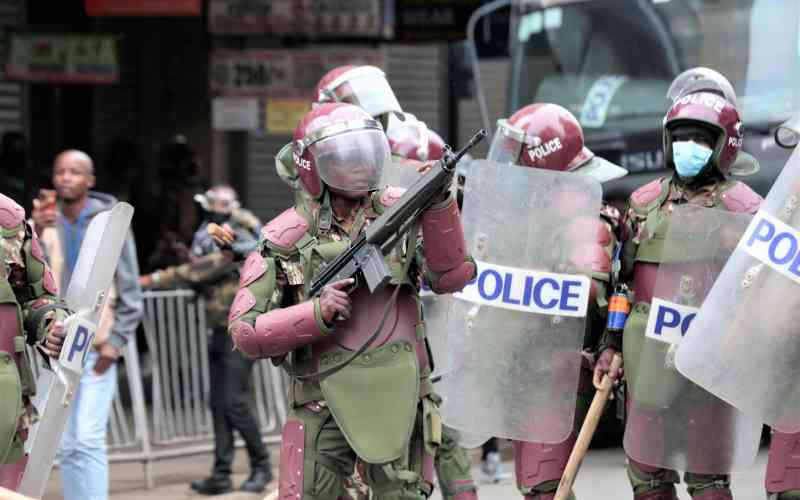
283	115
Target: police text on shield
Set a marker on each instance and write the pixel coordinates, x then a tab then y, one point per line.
528	291
774	243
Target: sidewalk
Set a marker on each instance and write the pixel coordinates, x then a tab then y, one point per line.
172	479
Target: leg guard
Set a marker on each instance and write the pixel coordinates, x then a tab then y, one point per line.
454	469
652	483
292	470
539	466
11	474
783	467
315	457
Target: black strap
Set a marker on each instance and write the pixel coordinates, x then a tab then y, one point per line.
32	323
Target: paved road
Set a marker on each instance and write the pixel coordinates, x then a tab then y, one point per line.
602	478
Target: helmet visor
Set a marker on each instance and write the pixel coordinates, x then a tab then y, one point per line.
352	161
370	92
698	80
506	145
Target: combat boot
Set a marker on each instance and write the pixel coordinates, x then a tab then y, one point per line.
214	485
258	480
714	494
657	495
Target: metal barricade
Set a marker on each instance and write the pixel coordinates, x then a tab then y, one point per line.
177	341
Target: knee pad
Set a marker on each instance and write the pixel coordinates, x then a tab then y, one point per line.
783	467
537	463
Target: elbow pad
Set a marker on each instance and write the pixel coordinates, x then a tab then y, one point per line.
277	332
443	238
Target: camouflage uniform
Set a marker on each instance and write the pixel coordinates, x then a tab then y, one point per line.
28	303
644	228
275	276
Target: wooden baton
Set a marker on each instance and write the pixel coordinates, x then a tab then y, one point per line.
587	431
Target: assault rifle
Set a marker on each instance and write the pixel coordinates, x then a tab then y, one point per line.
365	255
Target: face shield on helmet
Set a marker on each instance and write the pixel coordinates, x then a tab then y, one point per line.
507	143
351	161
701	79
365	87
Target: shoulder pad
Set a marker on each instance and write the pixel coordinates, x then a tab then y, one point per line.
285	230
645	196
390	195
11	214
738	197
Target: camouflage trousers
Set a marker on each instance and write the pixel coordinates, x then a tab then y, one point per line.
453	467
323	468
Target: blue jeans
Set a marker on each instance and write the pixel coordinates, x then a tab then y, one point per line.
84	461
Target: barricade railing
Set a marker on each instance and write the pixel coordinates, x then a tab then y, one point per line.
176	419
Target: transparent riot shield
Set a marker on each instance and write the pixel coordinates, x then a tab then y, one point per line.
744	345
672	422
86	295
399	174
515	333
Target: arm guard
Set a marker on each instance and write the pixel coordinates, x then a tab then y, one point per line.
40	304
259	327
449	267
279	331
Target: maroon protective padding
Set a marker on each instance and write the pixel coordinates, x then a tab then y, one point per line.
11	474
243	302
713	416
443	238
49	283
36	249
290	480
283	330
657	495
254	267
286	229
456	279
367	310
648	193
740	198
537	463
11	214
783	467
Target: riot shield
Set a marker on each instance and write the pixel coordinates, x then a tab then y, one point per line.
744	345
86	295
673	423
515	333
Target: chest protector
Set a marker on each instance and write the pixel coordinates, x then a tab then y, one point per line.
651	207
374	398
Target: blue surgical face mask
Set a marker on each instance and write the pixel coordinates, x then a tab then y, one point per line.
690	157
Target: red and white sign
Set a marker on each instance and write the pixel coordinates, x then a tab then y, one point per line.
144	8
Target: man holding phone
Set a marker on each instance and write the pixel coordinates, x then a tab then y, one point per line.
62	226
